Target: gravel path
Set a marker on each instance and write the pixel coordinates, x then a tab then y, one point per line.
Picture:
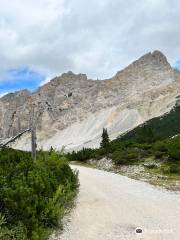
111	207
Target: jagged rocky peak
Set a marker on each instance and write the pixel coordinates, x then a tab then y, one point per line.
154	59
71	77
66	78
155	55
152	68
159	55
177	75
23	94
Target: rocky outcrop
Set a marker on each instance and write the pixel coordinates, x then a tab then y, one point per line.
177	75
71	110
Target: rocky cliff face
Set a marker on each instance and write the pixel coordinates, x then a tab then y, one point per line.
71	110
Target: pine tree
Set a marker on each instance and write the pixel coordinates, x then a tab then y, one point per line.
105	139
146	135
51	150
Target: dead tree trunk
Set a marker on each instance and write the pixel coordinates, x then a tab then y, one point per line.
33	131
33	142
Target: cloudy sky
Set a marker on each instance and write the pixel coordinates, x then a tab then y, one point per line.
40	39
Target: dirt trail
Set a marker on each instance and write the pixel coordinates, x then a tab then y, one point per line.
111	207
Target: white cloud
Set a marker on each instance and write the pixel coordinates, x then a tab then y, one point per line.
93	37
3	94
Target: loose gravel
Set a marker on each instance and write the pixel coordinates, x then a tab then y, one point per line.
115	207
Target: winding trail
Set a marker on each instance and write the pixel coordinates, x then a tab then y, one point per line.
111	207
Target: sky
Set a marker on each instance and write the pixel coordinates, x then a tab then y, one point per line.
43	39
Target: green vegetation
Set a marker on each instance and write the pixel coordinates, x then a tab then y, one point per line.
162	127
132	152
152	139
154	145
34	194
105	139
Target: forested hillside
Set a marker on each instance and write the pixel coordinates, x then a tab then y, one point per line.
167	125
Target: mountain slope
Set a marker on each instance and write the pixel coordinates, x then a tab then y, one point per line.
164	126
71	110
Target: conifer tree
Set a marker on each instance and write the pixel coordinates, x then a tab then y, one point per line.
105	139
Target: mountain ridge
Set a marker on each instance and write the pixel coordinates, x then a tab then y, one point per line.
71	110
158	55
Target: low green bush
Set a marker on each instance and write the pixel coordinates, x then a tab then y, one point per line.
150	166
145	146
118	157
125	157
132	151
160	146
34	194
158	154
170	168
17	231
173	146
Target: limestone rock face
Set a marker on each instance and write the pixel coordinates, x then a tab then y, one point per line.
14	113
177	75
71	110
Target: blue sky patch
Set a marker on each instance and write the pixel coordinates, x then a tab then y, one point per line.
177	65
20	78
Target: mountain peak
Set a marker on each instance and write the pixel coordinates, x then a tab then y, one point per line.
72	76
155	56
157	52
152	60
152	69
159	55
